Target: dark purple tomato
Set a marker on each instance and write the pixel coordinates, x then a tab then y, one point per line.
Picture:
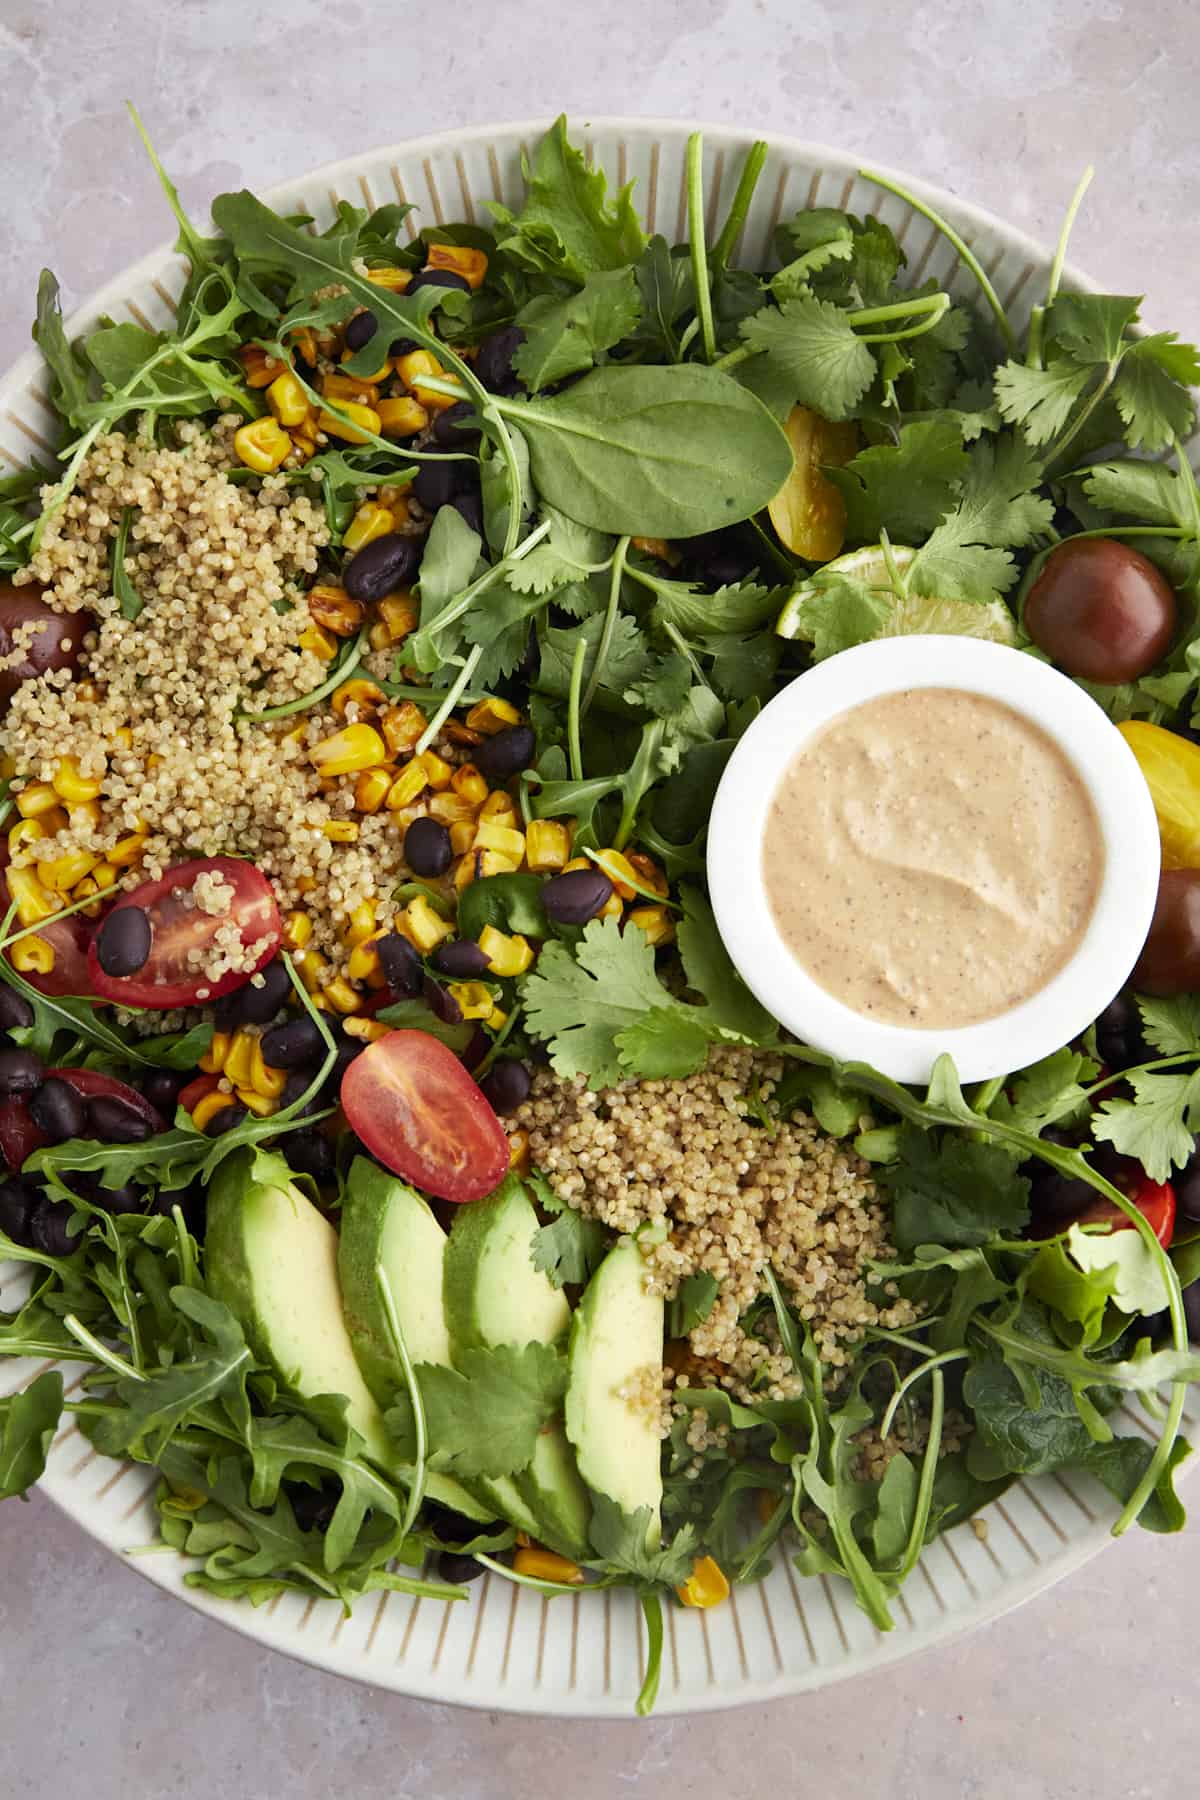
54	645
1170	959
1101	610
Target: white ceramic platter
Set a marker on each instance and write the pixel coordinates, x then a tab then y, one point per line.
510	1648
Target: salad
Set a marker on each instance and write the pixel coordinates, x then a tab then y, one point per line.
394	1160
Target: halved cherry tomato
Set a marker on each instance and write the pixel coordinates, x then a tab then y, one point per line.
68	938
418	1111
169	977
1155	1200
20	1137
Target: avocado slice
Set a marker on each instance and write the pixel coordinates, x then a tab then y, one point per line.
385	1222
616	1332
494	1295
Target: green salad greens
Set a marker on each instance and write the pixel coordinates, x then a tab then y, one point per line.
649	487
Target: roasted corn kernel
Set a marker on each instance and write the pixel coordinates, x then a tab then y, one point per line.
347	751
410	369
238	1065
71	786
547	845
410	782
369	1031
451	808
648	872
340	831
499	808
365	695
333	608
490	835
355	389
32	955
402	726
318	642
288	400
399	613
127	850
438	772
518	1159
263	445
469	784
462	835
39	797
358	425
363	962
341	996
423	927
706	1585
401	417
63	872
34	902
258	369
506	955
474	998
491	715
369	522
620	872
655	921
297	930
394	280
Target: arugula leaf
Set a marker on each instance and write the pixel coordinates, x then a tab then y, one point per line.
567	226
953	1191
1158	1126
155	1405
70	389
484	1416
28	1422
667	291
967	558
812	346
692	1304
905	488
621	1542
564	336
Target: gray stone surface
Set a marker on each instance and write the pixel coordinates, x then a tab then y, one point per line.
107	1687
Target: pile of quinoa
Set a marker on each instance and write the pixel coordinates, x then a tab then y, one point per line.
730	1197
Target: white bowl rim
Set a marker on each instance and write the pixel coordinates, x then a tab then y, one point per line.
1094	748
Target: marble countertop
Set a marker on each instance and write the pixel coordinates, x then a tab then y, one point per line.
109	1688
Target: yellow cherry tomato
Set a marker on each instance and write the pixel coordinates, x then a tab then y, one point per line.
808	512
1171	766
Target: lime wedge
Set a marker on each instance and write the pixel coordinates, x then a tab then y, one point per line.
867	567
955	618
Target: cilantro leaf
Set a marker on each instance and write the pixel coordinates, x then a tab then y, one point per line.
570	552
1158	1126
1171	1026
966	558
1046	1092
953	1191
1154	405
620	1540
813	347
905	488
1140	490
567	225
1040	401
483	1417
627	657
1092	327
692	1304
563	337
836	613
570	1248
665	1043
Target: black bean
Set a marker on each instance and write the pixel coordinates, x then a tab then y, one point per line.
441	1001
15	1010
295	1087
506	1084
17	1202
478	1045
253	1004
58	1110
458	1569
1119	1034
21	1070
436	483
123	1199
398	959
123	941
507	752
450	1527
462	960
361	330
347	1050
493	365
225	1120
469	505
577	896
313	1507
385	563
308	1153
50	1227
115	1121
162	1088
719	558
427	848
294	1042
401	346
457	428
445	278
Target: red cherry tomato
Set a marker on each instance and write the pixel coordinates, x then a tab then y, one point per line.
68	938
418	1112
1101	610
1155	1200
20	1137
170	977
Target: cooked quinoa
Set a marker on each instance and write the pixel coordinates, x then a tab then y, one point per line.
734	1198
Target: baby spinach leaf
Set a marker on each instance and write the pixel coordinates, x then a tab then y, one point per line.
692	1304
567	226
507	902
415	1015
28	1422
564	336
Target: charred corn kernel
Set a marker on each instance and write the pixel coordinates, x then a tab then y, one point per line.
458	733
423	927
492	715
376	375
333	608
366	695
341	831
493	836
620	872
705	1586
127	850
461	260
347	751
303	339
410	368
265	1080
304	440
260	1105
28	831
648	873
371	790
402	726
353	388
474	998
656	922
263	445
62	872
547	1565
656	547
363	962
379	637
469	784
36	799
368	1031
341	996
207	1109
90	888
506	955
499	808
462	835
361	926
497	1019
297	930
239	1058
288	400
613	907
410	782
71	786
401	417
305	884
32	955
319	643
518	1159
213	1060
394	280
358	426
399	614
451	809
258	369
34	902
547	845
438	772
312	968
87	814
369	522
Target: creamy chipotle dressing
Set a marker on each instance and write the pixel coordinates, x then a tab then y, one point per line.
931	858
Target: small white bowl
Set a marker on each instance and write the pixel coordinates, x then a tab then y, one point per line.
1104	762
